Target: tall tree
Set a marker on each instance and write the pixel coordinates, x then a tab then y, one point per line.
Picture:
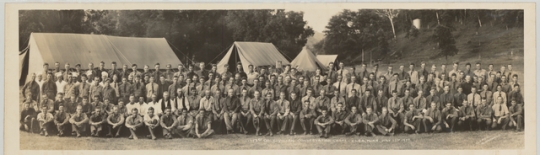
390	14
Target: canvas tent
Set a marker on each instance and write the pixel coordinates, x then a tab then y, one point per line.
87	48
326	59
307	61
255	53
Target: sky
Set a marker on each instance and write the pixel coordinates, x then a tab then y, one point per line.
318	18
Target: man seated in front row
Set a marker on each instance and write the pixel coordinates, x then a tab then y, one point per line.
412	120
386	124
61	119
134	122
323	123
151	120
45	119
516	115
369	119
115	122
466	116
168	123
185	125
78	121
28	117
433	118
96	121
500	113
307	115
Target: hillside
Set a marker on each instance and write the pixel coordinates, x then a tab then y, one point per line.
491	42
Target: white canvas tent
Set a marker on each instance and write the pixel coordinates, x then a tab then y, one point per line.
254	53
326	59
307	61
86	48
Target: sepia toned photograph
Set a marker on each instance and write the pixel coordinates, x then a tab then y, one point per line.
284	78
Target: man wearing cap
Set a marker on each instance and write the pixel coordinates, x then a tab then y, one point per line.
31	88
151	88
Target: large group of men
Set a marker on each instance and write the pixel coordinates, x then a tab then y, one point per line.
267	100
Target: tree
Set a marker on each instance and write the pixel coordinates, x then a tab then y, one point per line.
351	32
390	14
447	44
286	30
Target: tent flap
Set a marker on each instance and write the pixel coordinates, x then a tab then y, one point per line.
254	53
307	61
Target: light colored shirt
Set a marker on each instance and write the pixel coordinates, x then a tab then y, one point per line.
499	110
155	105
60	86
206	104
148	119
251	77
130	107
474	99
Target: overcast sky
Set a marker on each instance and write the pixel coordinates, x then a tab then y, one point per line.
318	18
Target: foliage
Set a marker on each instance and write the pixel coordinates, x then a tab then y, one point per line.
198	34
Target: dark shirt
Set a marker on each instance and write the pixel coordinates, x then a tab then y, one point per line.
29	112
231	104
296	106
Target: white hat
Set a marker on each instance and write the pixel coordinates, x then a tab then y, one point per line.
104	74
74	74
58	74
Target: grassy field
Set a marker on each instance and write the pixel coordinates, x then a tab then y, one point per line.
459	140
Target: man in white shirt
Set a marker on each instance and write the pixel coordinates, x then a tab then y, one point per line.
132	104
143	106
153	104
474	98
60	84
413	74
500	114
351	86
151	120
251	75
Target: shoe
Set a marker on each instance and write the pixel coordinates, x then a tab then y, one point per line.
154	138
325	135
305	133
41	133
390	134
78	135
271	134
135	137
108	135
130	137
245	132
278	133
358	134
321	136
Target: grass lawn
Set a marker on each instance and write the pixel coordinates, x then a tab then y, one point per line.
459	140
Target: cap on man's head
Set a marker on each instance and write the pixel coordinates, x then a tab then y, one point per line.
78	65
157	63
114	62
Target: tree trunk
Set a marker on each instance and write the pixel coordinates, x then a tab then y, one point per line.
393	30
479	22
438	22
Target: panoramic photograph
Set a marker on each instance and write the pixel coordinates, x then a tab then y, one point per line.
261	79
